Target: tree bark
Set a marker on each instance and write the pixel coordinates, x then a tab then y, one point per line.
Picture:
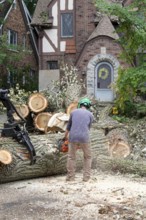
48	161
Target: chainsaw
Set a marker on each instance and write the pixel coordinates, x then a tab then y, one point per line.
62	145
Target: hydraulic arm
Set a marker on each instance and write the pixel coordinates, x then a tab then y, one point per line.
15	129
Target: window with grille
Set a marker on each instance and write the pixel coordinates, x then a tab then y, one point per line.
52	65
66	24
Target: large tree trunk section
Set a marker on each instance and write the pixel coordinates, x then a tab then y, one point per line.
118	143
48	161
41	121
37	102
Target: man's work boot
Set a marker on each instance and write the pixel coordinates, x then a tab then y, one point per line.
86	179
70	178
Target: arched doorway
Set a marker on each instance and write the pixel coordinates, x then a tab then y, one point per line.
102	70
103	80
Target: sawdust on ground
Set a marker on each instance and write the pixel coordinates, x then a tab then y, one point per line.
105	196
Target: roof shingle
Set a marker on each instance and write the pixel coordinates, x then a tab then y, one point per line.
104	28
40	10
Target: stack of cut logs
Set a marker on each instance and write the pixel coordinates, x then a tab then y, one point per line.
42	120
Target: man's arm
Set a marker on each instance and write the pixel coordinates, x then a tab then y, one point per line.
68	127
66	134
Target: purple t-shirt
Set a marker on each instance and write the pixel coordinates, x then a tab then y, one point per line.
79	125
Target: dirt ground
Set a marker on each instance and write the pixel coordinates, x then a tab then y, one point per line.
105	196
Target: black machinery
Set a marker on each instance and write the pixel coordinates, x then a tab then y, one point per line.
15	129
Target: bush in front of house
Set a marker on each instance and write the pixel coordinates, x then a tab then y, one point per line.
131	92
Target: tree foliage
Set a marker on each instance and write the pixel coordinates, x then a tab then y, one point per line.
131	26
10	58
131	82
31	4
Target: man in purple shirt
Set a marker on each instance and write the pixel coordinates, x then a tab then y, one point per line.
78	129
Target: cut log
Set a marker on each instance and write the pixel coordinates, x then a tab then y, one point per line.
48	160
71	107
5	157
41	121
118	143
119	150
37	102
117	135
23	110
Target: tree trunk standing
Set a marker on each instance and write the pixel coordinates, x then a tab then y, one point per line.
48	161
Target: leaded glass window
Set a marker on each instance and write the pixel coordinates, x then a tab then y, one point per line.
67	25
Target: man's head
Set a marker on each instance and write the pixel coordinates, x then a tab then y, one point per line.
84	102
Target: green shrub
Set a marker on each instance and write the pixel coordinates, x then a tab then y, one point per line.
130	84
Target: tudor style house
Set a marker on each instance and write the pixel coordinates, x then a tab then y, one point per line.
73	32
15	24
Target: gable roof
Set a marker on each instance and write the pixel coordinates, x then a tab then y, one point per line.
40	10
5	9
104	28
33	32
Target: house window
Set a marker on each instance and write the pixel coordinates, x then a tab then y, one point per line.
52	65
12	37
66	24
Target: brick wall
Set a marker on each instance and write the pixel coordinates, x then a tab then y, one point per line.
85	12
93	48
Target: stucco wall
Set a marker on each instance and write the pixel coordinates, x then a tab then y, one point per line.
46	77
